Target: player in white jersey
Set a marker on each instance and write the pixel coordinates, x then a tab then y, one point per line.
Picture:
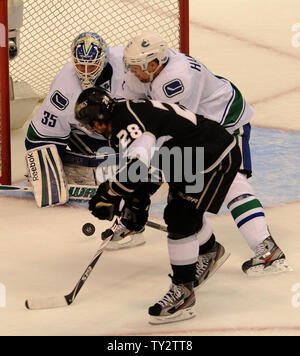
93	64
153	71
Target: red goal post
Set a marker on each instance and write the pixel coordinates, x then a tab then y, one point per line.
5	166
49	26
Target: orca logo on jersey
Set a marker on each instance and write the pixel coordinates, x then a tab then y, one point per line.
173	88
59	100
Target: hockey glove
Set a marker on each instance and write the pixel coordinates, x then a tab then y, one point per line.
104	204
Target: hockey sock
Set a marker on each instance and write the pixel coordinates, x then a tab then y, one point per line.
249	217
204	235
203	249
183	274
183	257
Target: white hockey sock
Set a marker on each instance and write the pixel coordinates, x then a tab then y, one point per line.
183	251
249	217
205	233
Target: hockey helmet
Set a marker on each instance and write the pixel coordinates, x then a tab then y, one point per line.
89	54
93	104
143	49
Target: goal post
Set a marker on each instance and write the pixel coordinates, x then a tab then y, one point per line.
5	155
49	27
184	22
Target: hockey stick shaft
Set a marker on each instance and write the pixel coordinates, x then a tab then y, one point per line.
156	226
55	302
76	192
70	297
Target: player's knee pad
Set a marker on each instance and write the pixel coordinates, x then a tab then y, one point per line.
182	218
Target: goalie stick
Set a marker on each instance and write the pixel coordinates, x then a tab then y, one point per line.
63	301
76	192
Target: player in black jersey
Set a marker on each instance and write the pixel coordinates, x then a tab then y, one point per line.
144	126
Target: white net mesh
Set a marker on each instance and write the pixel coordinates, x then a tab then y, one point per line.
49	26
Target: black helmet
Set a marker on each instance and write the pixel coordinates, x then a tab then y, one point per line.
93	104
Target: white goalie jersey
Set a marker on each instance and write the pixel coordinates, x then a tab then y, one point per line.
55	118
186	81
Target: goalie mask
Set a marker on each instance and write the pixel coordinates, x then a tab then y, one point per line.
89	54
93	104
143	49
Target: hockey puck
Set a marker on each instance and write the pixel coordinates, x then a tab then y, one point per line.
88	229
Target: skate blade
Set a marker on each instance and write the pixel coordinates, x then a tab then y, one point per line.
217	265
184	314
278	266
126	242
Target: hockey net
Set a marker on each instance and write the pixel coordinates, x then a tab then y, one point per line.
49	26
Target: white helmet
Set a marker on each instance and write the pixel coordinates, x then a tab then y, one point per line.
89	49
143	49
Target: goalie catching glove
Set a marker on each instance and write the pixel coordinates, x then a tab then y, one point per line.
105	203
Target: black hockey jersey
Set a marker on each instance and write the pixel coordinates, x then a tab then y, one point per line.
149	124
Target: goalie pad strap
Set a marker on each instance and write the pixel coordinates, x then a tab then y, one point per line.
77	159
47	176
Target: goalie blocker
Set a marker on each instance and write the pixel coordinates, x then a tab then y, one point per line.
46	176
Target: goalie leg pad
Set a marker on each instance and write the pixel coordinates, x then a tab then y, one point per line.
46	175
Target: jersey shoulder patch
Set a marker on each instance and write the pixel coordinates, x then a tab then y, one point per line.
59	100
172	88
106	86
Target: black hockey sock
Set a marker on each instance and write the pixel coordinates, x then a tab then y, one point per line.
183	274
203	249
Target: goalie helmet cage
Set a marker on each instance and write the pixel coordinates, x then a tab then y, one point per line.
49	27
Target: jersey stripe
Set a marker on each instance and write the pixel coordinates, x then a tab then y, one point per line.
236	107
134	115
34	136
236	110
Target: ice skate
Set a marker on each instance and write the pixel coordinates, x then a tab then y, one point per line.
209	263
176	305
268	259
123	237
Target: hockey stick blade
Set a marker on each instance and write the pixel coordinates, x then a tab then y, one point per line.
46	303
57	302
